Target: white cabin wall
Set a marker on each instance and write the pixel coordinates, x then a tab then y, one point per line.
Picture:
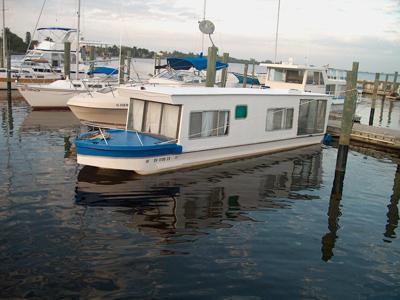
244	131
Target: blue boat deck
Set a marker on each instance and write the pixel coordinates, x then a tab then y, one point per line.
122	143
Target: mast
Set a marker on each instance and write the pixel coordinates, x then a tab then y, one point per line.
4	37
204	17
277	29
77	39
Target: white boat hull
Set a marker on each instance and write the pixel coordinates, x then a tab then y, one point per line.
103	117
158	164
45	98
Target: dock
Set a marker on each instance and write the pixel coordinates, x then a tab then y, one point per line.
383	139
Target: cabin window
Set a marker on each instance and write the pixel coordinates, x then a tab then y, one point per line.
330	89
276	75
241	112
279	119
95	86
76	85
315	78
209	123
154	117
294	76
311	116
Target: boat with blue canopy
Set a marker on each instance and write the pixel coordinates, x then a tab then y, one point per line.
103	70
198	63
184	71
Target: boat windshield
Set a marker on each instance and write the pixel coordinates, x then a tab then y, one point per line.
182	76
286	75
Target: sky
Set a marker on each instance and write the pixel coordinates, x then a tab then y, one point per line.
318	32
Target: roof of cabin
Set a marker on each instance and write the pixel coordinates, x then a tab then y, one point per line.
292	66
194	91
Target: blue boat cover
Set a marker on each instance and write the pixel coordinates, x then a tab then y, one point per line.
56	28
249	80
199	63
103	70
122	143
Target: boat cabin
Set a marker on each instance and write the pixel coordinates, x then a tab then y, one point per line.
291	76
210	118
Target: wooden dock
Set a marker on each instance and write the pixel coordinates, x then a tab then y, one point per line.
383	139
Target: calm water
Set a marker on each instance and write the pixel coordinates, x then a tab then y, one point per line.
387	112
257	228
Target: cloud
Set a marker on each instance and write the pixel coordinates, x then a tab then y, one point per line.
325	31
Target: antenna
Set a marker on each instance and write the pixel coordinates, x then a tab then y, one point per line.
204	17
277	30
207	27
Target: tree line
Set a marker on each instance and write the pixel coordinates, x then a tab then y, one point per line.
17	45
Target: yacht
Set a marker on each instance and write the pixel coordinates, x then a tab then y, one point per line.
169	128
44	63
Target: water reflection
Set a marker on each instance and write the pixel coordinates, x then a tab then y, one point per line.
390	112
393	210
186	202
381	111
48	121
334	213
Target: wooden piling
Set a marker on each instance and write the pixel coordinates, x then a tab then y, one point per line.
373	103
91	58
67	59
9	76
121	71
347	120
128	64
252	73
246	68
224	73
158	64
155	64
394	85
384	87
211	66
1	57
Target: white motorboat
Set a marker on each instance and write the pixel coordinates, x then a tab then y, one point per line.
108	107
57	93
169	128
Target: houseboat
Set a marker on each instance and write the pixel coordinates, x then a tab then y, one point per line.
171	128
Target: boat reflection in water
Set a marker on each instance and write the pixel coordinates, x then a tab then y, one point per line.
186	202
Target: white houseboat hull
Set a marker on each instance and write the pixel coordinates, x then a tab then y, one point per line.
159	164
